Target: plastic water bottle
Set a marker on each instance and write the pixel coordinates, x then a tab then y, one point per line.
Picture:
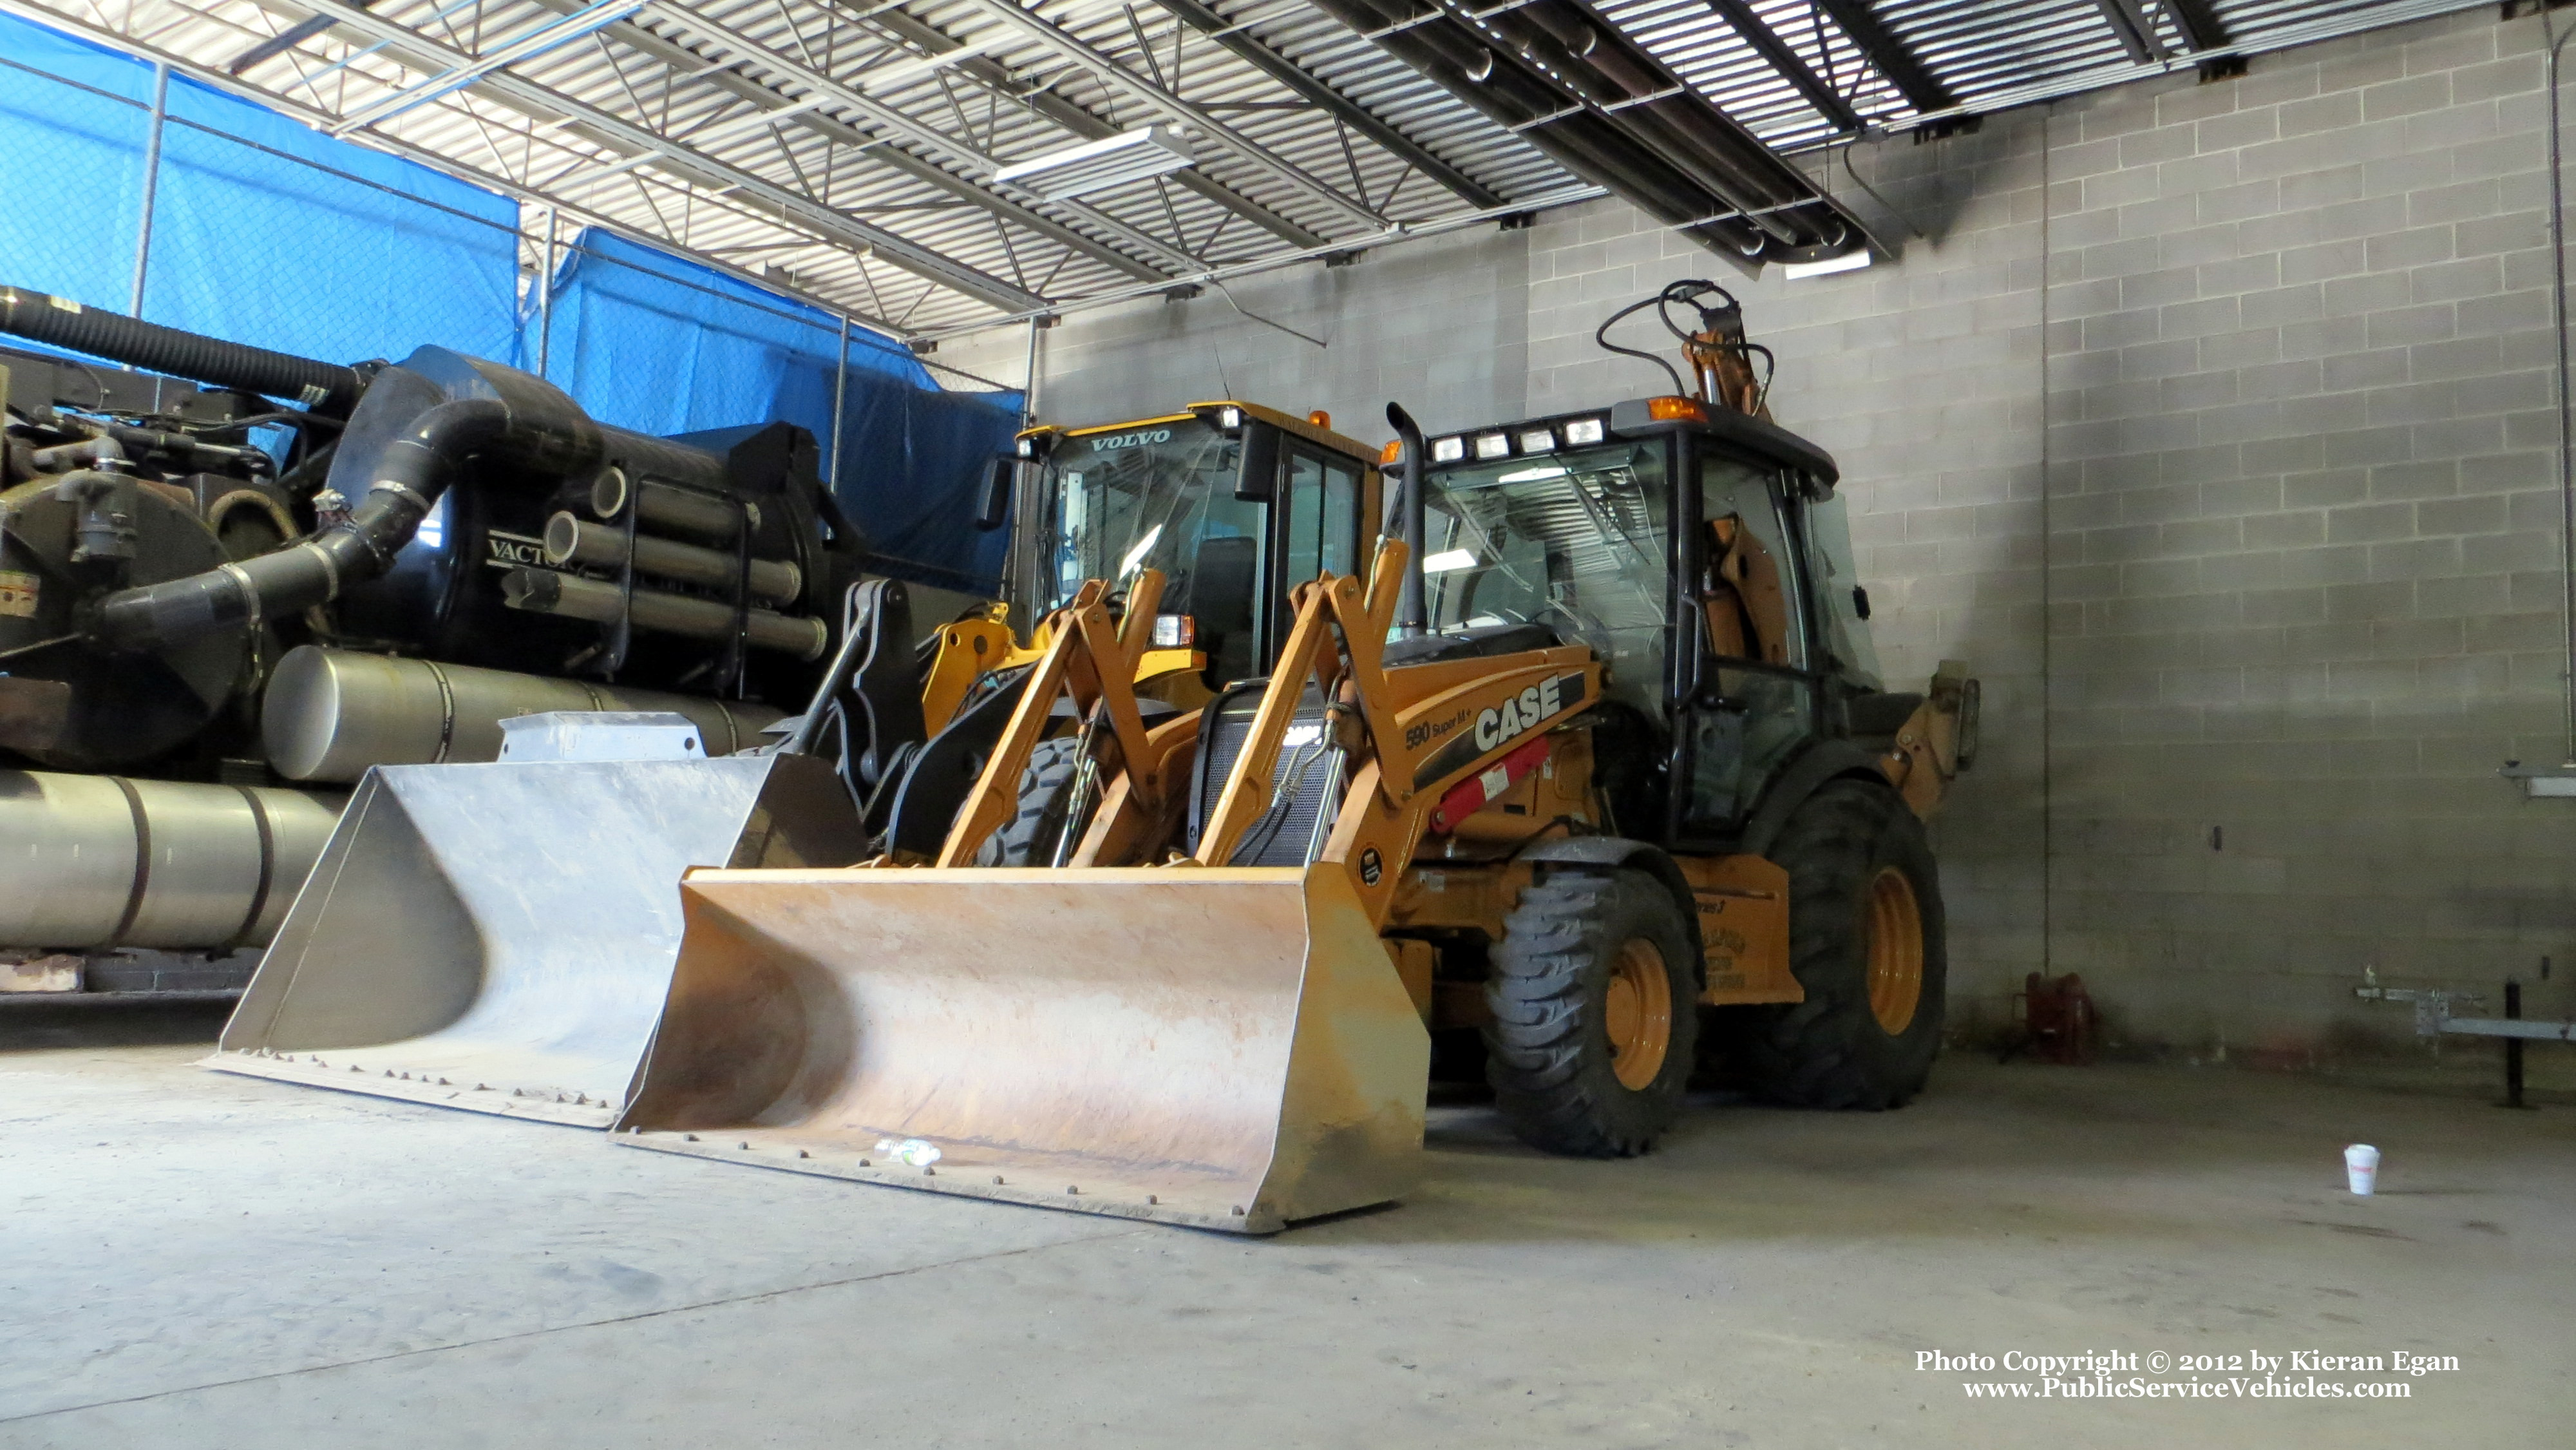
915	1152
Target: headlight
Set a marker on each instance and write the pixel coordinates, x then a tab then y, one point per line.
1175	631
1538	440
1583	430
1493	445
1229	418
1448	450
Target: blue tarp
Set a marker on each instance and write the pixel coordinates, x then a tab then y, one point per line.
658	344
246	245
368	255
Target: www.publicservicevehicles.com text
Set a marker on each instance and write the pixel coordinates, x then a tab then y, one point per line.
2298	1374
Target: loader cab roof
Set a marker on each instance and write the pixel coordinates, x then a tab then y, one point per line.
1641	418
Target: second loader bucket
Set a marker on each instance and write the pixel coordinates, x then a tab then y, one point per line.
1224	1048
499	937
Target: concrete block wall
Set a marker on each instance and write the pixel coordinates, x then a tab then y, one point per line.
2212	423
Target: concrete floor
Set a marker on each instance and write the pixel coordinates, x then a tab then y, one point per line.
196	1259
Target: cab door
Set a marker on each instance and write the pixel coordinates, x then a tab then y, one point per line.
1751	702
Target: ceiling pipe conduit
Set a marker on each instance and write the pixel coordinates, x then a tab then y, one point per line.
1467	70
1730	161
1602	77
1630	124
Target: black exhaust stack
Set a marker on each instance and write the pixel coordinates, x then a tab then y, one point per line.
1411	618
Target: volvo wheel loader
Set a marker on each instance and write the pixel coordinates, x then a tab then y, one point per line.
499	936
1594	755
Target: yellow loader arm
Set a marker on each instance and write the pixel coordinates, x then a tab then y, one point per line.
1198	1042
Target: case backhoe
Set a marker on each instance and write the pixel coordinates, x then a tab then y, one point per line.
1594	753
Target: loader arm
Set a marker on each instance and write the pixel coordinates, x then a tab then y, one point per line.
1428	727
1095	662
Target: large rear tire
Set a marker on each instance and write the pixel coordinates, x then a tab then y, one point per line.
1867	942
1045	800
1592	992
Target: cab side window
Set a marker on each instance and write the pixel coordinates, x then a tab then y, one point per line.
1322	503
1753	706
1745	587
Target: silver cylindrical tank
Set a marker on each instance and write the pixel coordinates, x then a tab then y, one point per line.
543	591
569	540
329	714
92	861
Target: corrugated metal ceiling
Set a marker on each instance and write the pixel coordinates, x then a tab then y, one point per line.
845	150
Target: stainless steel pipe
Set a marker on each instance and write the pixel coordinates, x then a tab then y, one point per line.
329	714
570	541
681	510
543	591
96	861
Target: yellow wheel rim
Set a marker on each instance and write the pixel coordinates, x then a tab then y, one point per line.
1638	1010
1894	920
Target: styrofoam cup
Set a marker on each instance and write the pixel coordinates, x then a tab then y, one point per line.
2361	1169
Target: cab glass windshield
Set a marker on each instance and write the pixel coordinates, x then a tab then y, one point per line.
1155	496
1575	541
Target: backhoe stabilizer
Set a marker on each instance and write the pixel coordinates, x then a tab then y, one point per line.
1224	1048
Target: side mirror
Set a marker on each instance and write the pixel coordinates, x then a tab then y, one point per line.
1260	475
995	505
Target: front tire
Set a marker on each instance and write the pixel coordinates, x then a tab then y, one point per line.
1045	802
1593	997
1867	943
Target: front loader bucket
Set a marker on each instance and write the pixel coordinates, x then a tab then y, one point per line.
1224	1048
499	937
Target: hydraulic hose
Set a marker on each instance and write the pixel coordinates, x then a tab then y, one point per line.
324	387
1411	617
414	471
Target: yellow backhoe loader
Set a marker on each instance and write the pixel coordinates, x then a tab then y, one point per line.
1595	751
499	937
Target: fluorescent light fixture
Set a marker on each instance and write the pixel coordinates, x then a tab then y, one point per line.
1136	555
1448	450
1538	440
1540	474
1851	261
1493	445
2542	782
1450	562
1582	431
1100	165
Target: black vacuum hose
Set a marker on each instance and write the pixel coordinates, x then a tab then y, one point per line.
414	471
324	387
